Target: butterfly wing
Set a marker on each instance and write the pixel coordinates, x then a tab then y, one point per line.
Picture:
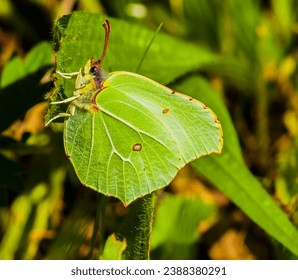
142	134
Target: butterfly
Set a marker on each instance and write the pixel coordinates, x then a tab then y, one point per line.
127	135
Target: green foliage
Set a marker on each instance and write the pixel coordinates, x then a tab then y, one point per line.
113	249
239	184
20	77
173	210
170	55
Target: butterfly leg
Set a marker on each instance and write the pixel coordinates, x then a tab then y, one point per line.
67	100
61	115
71	110
67	75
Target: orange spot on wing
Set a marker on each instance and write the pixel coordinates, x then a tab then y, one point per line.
137	147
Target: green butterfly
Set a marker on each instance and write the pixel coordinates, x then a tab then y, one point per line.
127	135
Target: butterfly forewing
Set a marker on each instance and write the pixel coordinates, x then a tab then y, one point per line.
140	136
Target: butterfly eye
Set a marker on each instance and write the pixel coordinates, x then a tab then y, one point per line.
93	70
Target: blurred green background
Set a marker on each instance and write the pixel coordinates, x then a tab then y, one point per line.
44	211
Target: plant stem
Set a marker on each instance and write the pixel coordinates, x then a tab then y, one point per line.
98	224
137	228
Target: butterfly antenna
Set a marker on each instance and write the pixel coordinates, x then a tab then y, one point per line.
107	26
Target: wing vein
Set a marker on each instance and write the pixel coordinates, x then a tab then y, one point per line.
91	147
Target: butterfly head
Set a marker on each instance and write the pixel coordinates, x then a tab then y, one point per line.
97	73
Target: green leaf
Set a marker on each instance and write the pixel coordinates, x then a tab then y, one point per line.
285	15
177	220
205	14
245	18
248	194
229	174
83	38
12	71
113	249
20	84
40	56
